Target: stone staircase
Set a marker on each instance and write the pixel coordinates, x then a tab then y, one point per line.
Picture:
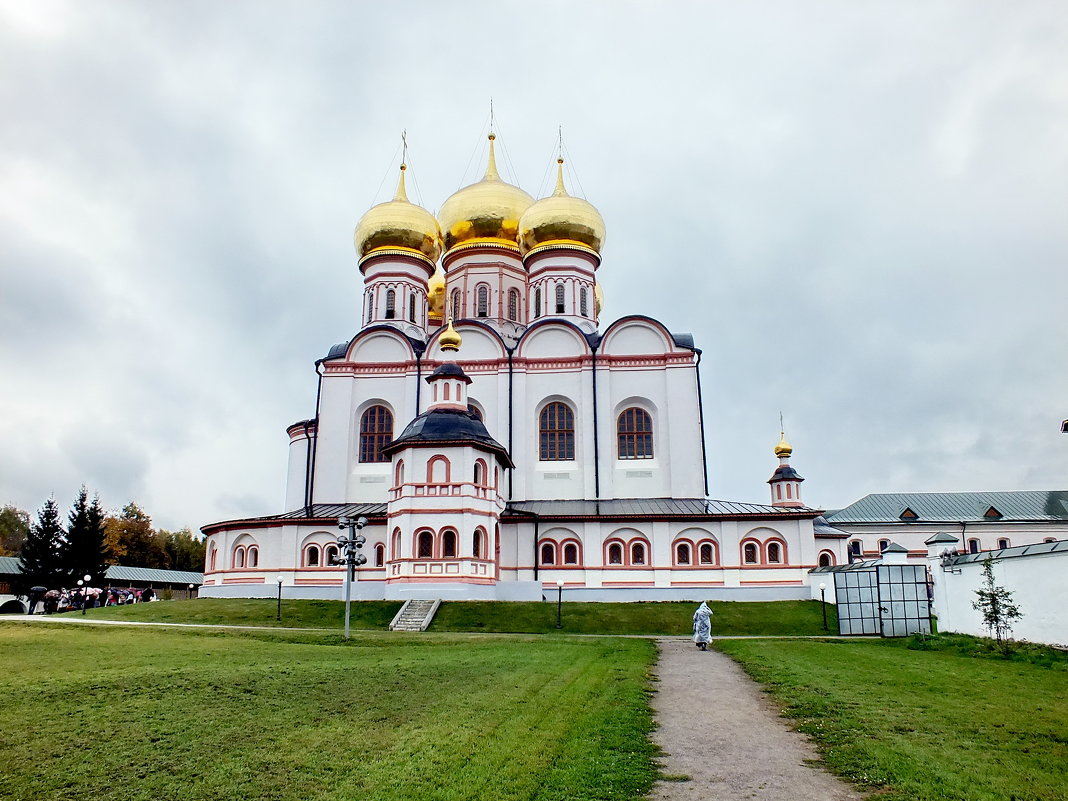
415	615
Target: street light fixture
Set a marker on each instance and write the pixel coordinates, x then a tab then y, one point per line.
350	543
823	601
559	601
84	584
190	592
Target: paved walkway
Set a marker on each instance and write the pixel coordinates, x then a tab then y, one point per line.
717	727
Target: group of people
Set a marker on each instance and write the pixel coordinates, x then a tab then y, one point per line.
64	600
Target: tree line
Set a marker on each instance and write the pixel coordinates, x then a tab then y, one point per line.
54	555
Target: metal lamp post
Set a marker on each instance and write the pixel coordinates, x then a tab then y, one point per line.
84	584
823	601
278	616
190	592
350	543
559	601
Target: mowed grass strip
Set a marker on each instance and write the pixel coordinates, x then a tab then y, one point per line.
920	725
116	713
778	618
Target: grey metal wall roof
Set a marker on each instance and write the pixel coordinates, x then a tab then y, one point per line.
946	507
1057	546
9	565
654	507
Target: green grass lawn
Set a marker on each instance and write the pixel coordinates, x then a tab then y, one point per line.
924	724
730	617
119	713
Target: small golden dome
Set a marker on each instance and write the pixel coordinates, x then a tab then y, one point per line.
450	338
561	220
435	290
598	298
783	448
487	211
399	225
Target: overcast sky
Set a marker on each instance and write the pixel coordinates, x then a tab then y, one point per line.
860	210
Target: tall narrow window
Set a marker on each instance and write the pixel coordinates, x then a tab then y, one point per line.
571	554
253	556
637	554
482	305
774	553
479	473
376	431
380	555
311	556
476	543
615	554
973	546
391	304
548	554
398	476
425	545
396	543
456	304
513	304
448	544
537	302
557	433
749	553
584	302
682	554
707	554
635	434
411	307
825	560
370	307
331	554
559	298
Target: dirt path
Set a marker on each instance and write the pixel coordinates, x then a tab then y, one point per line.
717	727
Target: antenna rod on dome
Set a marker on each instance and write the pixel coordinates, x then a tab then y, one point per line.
782	428
492	119
560	143
404	147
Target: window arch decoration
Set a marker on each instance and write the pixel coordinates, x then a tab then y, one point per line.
513	305
584	302
683	552
826	559
424	544
396	543
707	552
1003	543
313	556
479	544
774	553
380	555
639	552
482	300
613	552
571	552
253	556
537	302
449	544
391	304
480	473
556	433
370	306
438	470
411	307
547	553
398	474
376	431
214	558
634	434
751	552
238	559
560	298
331	556
456	299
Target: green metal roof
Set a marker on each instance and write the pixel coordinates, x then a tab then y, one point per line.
9	566
954	507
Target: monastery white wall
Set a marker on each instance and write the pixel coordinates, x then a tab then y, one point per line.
1037	582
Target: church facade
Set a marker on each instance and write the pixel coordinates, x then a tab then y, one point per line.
503	441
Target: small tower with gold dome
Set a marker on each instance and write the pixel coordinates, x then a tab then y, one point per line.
398	244
483	269
785	482
560	238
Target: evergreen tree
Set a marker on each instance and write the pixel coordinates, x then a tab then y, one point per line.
83	551
40	558
995	604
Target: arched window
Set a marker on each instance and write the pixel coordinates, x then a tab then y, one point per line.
391	304
214	557
448	544
826	559
496	477
380	555
556	432
398	475
774	553
437	470
253	556
478	543
376	431
682	554
789	491
370	306
396	543
707	553
548	553
635	434
537	302
883	545
425	545
570	554
615	554
332	555
411	307
637	553
559	298
482	301
1003	543
480	472
239	557
750	553
973	546
584	303
513	305
475	411
311	556
456	297
854	549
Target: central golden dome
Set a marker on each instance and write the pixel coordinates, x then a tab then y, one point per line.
487	211
561	220
435	290
398	225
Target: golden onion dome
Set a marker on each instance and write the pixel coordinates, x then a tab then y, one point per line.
435	290
598	298
450	338
398	225
487	211
561	220
783	448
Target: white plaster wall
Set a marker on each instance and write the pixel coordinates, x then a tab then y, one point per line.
1038	586
295	475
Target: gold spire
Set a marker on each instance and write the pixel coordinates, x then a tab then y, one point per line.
399	225
783	448
560	191
401	194
450	339
491	164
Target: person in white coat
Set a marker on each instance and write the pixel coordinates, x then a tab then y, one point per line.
702	626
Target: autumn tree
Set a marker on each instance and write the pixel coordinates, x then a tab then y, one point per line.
14	527
40	559
133	542
83	550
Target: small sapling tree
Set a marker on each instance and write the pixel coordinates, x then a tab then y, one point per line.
995	603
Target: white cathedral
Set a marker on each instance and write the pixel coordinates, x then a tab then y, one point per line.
501	442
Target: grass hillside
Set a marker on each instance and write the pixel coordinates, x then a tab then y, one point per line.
729	617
